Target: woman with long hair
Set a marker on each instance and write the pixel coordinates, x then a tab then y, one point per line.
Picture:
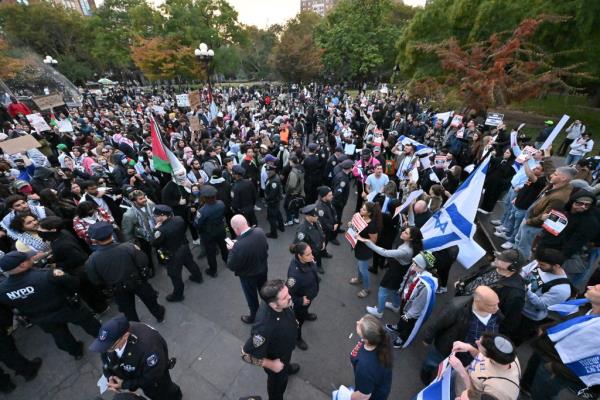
372	360
411	245
371	213
303	284
388	202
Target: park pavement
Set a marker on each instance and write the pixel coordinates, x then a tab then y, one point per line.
205	334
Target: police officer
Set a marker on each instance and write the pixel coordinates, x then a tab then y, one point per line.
10	355
310	231
313	173
243	195
327	217
172	244
303	284
273	338
135	356
341	188
273	196
336	158
48	298
124	269
210	224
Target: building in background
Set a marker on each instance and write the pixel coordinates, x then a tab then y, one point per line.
84	7
321	7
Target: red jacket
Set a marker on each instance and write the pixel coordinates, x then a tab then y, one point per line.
15	109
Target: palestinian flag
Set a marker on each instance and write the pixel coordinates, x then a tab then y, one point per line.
163	158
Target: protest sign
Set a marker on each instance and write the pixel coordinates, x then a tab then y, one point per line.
527	151
444	116
183	100
555	132
456	120
38	123
194	99
194	123
555	223
17	145
249	104
356	227
47	102
412	196
64	125
494	119
349	149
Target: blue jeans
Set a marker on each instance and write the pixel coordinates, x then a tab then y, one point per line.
525	237
508	206
514	223
363	273
383	295
571	159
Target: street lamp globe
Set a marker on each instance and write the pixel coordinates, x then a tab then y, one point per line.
211	53
203	47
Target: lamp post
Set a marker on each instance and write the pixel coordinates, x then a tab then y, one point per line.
52	63
204	55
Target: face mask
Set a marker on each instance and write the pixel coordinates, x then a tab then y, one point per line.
196	193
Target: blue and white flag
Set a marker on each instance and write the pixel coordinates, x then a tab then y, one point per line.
213	110
454	223
568	307
578	344
420	148
439	389
431	285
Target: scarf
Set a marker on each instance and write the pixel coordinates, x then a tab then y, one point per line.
33	242
145	222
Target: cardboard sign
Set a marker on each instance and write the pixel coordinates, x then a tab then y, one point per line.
358	224
456	120
194	99
38	123
249	104
194	123
17	145
183	100
47	102
555	223
494	119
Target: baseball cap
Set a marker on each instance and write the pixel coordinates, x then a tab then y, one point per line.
13	259
110	331
100	230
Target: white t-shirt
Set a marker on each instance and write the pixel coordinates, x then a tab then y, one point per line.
377	184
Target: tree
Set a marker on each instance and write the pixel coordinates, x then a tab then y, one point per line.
297	57
255	52
499	71
358	37
164	58
9	65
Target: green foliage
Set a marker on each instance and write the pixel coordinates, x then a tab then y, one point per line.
358	37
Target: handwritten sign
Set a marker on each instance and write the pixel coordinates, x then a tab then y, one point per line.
64	125
194	99
17	145
47	102
183	100
38	123
194	123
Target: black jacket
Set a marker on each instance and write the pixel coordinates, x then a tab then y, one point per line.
115	263
243	195
248	257
67	253
302	281
170	235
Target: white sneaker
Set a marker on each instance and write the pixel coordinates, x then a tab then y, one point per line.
500	228
296	221
442	290
481	210
390	306
496	222
501	234
373	311
257	208
507	245
196	242
288	223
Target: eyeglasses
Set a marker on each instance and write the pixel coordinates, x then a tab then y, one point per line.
583	204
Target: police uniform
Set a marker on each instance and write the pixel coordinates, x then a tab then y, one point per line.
48	298
274	337
313	173
273	196
341	189
302	281
243	196
144	361
124	269
311	234
170	239
327	216
210	224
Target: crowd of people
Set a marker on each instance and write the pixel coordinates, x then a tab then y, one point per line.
90	214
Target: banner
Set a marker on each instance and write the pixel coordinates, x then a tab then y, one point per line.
17	145
494	119
64	125
47	102
38	123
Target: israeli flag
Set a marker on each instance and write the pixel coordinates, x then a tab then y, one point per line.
439	389
454	223
213	110
420	148
578	344
568	307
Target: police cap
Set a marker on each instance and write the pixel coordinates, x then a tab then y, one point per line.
312	147
110	331
238	169
347	164
13	259
162	209
323	190
100	230
310	209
